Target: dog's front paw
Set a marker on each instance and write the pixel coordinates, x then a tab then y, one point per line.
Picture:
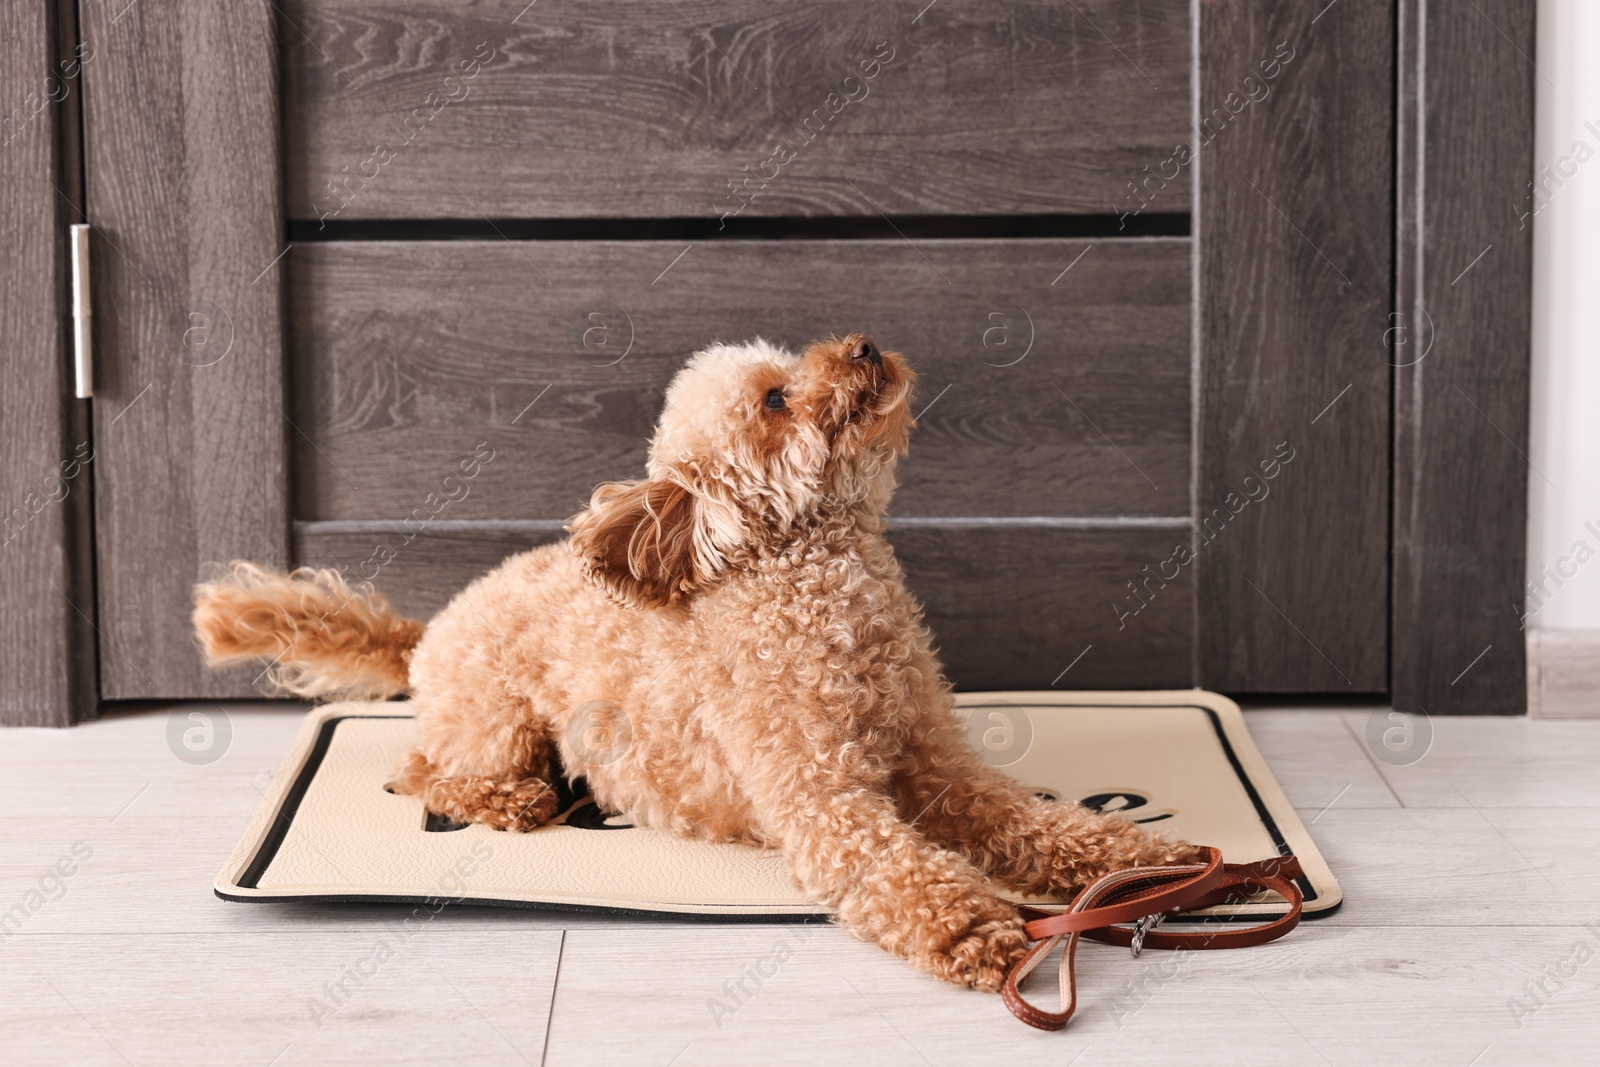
983	956
1143	850
1086	846
1072	872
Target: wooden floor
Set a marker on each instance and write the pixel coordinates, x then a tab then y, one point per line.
1469	879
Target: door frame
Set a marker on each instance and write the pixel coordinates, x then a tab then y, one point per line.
47	640
1464	301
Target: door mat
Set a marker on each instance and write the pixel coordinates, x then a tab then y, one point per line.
1180	762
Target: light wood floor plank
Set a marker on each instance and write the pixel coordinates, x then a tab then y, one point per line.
393	994
155	875
125	763
1459	868
1403	995
1317	760
1495	762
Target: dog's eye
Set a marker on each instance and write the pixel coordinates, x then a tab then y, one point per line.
775	401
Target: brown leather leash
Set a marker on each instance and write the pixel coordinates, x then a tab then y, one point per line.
1144	896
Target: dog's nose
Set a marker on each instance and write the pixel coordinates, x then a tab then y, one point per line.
868	351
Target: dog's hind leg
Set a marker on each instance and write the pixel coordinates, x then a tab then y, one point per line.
485	754
517	799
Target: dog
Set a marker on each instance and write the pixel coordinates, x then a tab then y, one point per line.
726	650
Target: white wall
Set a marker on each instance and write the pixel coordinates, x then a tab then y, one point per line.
1564	493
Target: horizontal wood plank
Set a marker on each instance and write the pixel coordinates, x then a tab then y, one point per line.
1054	374
419	571
782	995
1012	605
1031	607
427	109
335	997
1488	762
1318	759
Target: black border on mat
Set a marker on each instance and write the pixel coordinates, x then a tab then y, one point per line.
1306	889
284	818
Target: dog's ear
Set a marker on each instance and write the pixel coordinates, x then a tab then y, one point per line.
654	542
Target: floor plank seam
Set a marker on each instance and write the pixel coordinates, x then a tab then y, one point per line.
555	985
1345	721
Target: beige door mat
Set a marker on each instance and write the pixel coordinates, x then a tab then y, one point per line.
1180	762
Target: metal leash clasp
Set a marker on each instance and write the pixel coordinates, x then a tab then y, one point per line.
1142	927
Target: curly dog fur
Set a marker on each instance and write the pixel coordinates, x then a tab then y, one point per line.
725	649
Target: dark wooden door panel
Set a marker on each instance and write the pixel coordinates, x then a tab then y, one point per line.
1294	260
1042	393
180	133
1015	606
429	109
418	568
1012	605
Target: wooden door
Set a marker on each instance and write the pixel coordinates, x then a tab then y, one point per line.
1156	400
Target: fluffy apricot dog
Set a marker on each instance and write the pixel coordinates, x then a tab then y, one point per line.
737	629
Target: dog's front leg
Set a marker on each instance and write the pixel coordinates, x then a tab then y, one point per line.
1024	842
849	849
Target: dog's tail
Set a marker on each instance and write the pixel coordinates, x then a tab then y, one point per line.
323	637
